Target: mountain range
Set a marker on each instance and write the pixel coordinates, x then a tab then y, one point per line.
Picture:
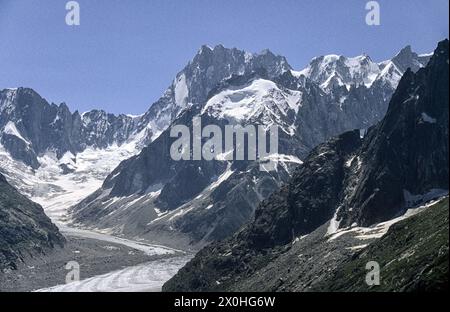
58	158
353	200
193	203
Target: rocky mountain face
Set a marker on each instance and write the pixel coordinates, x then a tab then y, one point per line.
157	197
370	181
209	67
32	127
25	230
45	150
412	252
195	202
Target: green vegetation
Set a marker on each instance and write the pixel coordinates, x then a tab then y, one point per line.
413	256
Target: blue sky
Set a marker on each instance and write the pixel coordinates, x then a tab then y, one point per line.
125	53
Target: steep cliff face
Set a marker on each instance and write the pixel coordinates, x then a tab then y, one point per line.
406	155
350	181
31	127
25	230
371	179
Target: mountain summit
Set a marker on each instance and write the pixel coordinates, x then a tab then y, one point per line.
303	234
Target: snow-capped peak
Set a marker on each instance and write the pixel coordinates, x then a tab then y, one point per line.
406	58
330	71
390	73
333	70
260	98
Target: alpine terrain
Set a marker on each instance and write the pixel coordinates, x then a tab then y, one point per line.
25	230
124	206
381	196
191	203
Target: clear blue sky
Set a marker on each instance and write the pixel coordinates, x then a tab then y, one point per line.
126	52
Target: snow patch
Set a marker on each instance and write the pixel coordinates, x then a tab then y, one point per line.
259	96
222	178
334	223
412	200
380	229
11	129
358	247
181	91
427	118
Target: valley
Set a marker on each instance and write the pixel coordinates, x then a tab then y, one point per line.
107	263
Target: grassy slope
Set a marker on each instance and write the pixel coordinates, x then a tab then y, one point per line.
413	256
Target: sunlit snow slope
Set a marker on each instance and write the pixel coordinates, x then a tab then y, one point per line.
53	189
